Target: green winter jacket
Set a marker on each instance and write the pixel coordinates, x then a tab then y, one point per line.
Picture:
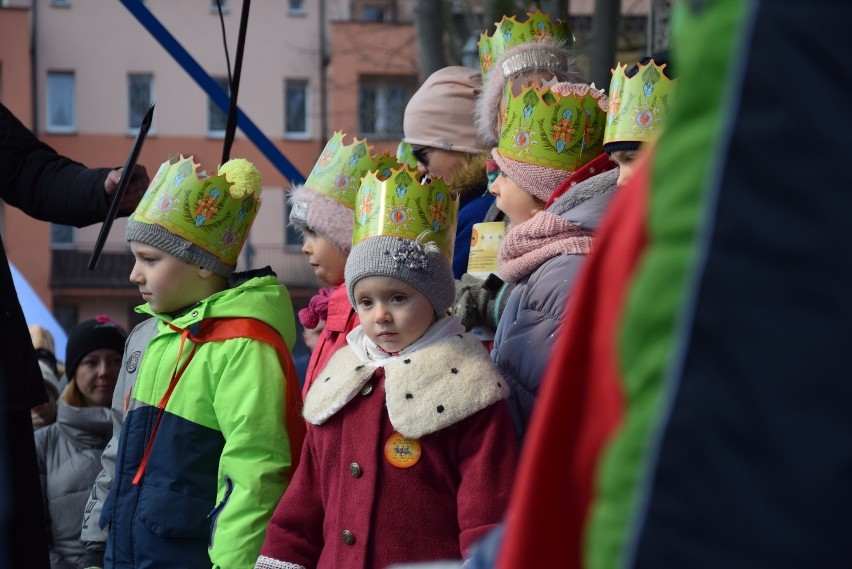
220	459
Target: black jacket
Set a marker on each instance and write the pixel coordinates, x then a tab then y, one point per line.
53	188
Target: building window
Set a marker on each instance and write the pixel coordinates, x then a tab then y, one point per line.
60	102
373	13
296	108
381	105
61	236
217	120
297	7
139	97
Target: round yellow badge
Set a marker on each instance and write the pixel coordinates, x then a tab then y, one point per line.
401	451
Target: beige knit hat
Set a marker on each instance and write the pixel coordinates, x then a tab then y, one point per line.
440	113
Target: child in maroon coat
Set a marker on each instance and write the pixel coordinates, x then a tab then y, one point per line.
411	451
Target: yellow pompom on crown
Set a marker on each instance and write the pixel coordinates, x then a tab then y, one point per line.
243	175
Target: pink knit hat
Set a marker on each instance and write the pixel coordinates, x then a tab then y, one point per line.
540	181
440	113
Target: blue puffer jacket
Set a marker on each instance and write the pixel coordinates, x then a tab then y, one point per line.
527	329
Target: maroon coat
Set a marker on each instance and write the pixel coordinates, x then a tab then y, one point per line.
340	320
348	507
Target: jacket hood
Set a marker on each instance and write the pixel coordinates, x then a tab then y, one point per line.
268	302
84	427
584	204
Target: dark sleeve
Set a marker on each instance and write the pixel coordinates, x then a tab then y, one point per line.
44	184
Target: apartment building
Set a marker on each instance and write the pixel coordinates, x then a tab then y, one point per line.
81	74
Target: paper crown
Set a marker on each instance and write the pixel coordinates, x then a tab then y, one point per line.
401	206
340	167
638	105
405	156
510	33
559	126
213	212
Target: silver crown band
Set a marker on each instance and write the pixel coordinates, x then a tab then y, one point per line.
534	59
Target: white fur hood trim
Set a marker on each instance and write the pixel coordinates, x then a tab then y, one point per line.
426	391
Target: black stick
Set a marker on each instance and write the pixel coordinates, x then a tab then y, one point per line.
126	174
231	126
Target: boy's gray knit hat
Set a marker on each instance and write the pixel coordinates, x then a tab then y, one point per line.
420	264
163	239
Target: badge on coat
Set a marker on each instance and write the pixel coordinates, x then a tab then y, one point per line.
401	451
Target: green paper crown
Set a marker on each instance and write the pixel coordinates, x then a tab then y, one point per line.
559	126
340	167
401	207
638	105
510	33
213	212
404	155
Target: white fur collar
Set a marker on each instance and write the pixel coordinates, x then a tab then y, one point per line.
425	391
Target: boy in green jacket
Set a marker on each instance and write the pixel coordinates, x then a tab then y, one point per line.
207	426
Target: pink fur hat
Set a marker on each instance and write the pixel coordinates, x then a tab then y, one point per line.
518	63
310	209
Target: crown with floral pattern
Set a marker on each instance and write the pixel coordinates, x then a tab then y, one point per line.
340	167
638	105
510	33
214	213
401	206
405	156
560	126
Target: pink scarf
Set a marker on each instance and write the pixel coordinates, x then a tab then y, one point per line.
528	245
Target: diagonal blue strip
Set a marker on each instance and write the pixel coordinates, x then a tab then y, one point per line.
216	94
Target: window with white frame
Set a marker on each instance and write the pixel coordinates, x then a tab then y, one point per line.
60	102
217	119
296	108
296	7
381	105
139	97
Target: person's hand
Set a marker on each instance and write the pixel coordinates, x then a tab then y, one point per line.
139	181
480	303
93	559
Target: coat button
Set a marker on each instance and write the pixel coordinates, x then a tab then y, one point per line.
355	470
367	389
348	537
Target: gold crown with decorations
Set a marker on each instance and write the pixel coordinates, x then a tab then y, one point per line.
403	206
639	105
325	202
510	33
340	167
202	219
559	126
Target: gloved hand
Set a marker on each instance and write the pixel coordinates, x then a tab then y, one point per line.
480	303
93	559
